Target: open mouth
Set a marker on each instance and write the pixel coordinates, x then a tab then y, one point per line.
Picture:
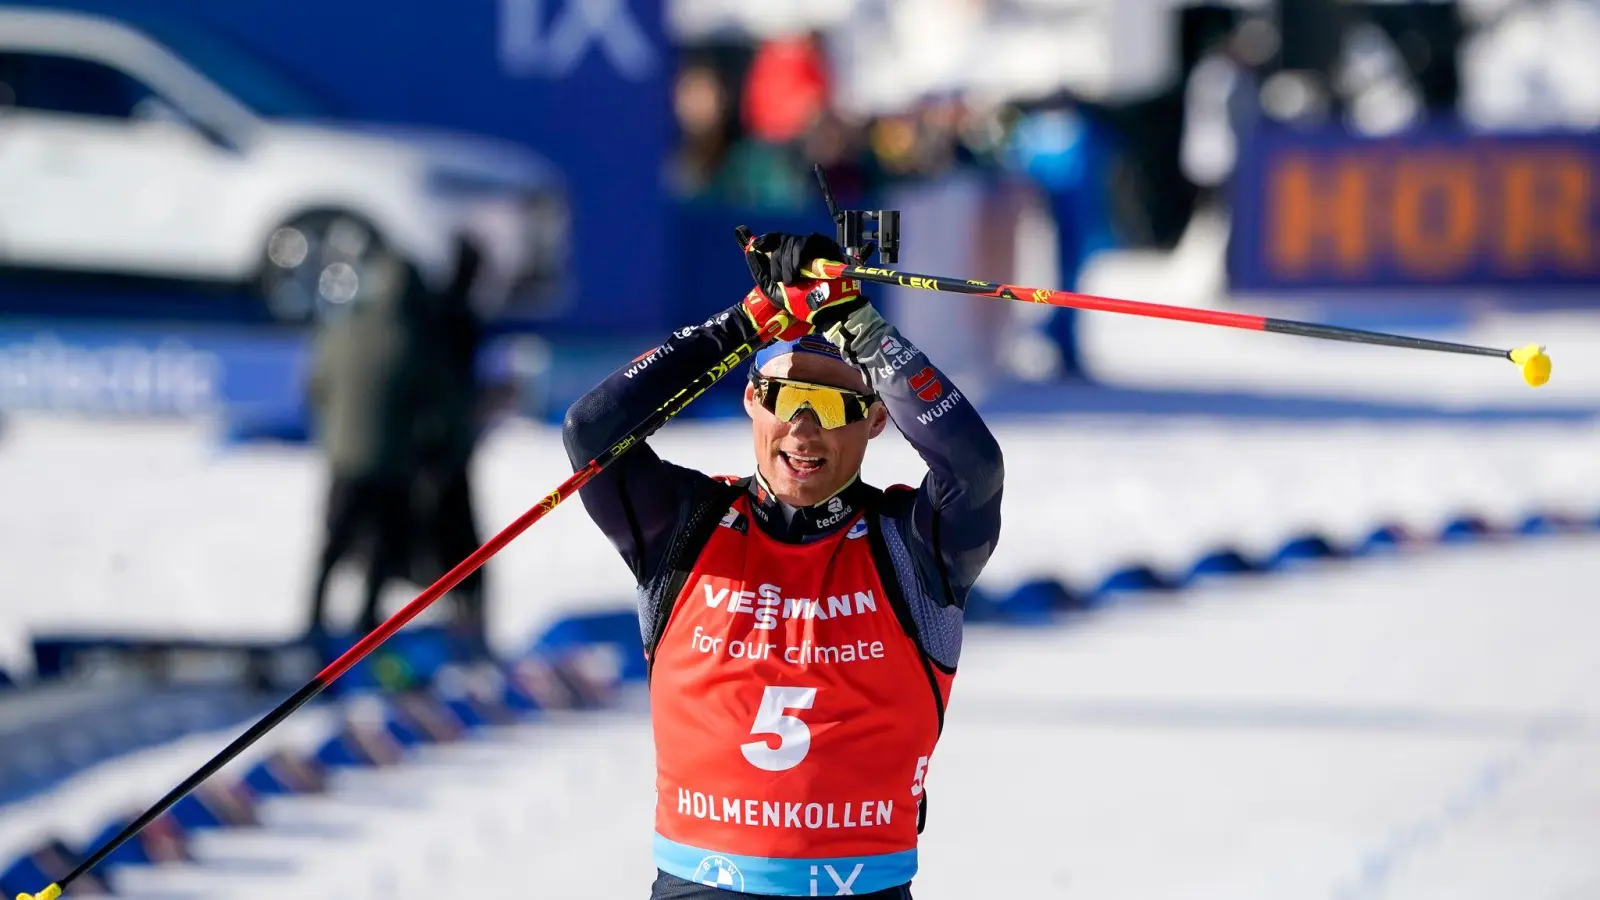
800	466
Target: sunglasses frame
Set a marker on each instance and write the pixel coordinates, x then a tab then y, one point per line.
853	412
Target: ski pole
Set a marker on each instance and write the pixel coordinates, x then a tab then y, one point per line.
853	226
439	588
1531	359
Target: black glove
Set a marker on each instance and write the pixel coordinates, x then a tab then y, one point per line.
784	267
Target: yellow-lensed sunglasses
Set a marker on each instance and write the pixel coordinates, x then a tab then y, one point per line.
834	407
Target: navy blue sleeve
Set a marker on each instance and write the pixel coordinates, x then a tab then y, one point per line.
955	513
639	499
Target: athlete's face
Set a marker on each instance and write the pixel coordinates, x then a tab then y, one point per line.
803	463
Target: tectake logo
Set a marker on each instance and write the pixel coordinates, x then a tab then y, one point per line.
895	355
838	511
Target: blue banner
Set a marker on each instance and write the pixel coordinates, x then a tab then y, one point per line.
583	83
121	370
254	379
1439	209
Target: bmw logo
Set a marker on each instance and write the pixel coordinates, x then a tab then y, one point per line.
719	872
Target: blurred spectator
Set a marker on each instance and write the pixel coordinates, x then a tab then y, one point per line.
448	423
1221	104
720	162
701	105
952	137
364	390
1068	153
399	415
787	119
786	89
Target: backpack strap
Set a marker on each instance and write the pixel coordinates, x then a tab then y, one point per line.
890	576
687	545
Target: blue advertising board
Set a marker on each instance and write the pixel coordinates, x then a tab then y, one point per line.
583	83
1327	211
253	380
122	370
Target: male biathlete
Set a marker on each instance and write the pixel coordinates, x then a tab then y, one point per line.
802	627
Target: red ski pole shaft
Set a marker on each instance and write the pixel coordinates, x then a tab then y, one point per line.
1528	358
439	588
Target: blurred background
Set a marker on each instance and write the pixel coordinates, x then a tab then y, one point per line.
293	297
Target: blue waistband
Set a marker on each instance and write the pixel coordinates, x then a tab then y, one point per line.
826	877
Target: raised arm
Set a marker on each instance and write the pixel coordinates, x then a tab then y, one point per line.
638	500
956	511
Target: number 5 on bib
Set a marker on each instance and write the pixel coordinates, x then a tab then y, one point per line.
794	738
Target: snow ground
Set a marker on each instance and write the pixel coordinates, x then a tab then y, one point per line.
1412	727
150	528
1421	725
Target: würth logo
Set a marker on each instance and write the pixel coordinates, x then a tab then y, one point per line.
646	359
927	385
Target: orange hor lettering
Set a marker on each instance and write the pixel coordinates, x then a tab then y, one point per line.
1434	215
1317	215
1548	204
